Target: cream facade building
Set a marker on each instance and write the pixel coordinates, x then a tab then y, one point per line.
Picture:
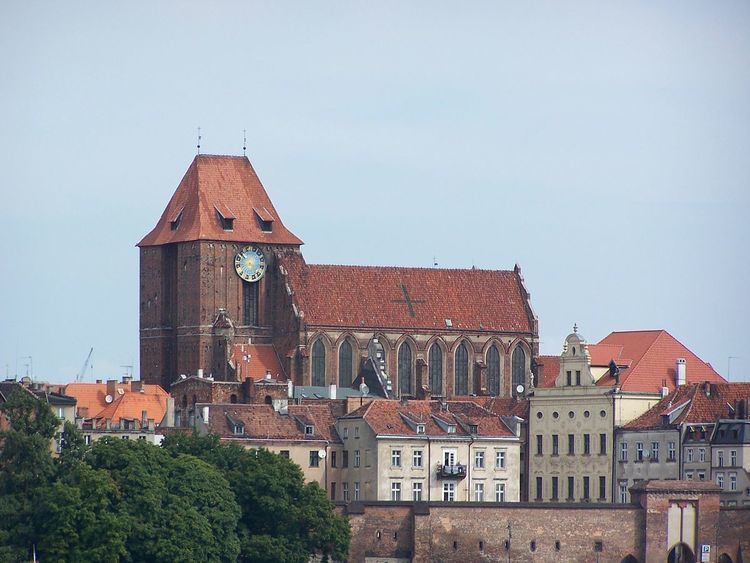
429	451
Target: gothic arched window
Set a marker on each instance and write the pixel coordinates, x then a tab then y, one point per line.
345	364
404	369
493	370
518	368
435	361
319	363
462	370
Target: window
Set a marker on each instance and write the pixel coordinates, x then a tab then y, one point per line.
284	453
639	451
87	439
554	488
250	303
395	490
356	431
345	364
571	444
733	458
345	491
702	455
479	459
356	490
701	475
451	429
395	458
732	481
227	223
333	491
500	459
654	451
126	437
462	370
420	428
346	432
586	444
578	377
333	459
318	364
449	492
238	429
174	224
623	451
720	458
478	492
356	458
345	459
449	457
309	430
141	437
586	495
623	490
416	491
690	455
538	488
416	458
602	444
499	492
518	369
493	371
555	445
720	480
602	488
314	459
569	378
404	369
571	488
539	449
671	451
435	361
688	475
473	428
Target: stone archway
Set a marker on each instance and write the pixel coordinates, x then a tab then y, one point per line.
681	553
724	558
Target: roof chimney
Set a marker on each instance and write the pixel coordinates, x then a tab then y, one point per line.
332	391
200	372
268	374
680	377
112	387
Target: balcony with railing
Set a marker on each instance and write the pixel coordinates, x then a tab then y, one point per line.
455	471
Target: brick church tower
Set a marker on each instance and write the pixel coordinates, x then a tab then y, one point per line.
206	272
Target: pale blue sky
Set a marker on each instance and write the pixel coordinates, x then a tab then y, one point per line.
602	146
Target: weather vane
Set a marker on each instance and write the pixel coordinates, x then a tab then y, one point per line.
244	141
199	140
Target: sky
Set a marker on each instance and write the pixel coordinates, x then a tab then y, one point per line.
602	146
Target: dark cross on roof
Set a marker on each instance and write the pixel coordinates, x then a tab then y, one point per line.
408	300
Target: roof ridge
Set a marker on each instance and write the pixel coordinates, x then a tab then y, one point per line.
393	266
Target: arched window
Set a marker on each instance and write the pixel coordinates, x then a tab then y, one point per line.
319	363
345	364
435	361
462	370
519	368
404	369
493	371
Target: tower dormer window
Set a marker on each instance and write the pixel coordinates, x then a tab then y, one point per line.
265	219
174	224
225	217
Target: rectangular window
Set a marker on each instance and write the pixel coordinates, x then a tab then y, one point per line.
345	459
449	457
87	439
623	451
126	437
356	431
356	490
356	458
479	459
639	451
571	444
284	453
701	475
395	458
732	481
578	377
555	445
416	491
586	495
586	444
623	489
702	455
720	458
478	492
499	492
500	459
346	432
395	490
654	451
345	491
538	488
688	475
416	458
720	480
602	444
602	488
568	378
671	451
689	455
333	459
554	488
250	303
733	458
449	492
141	437
314	459
333	491
539	449
571	488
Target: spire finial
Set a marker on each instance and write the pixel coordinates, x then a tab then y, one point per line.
199	141
575	328
244	142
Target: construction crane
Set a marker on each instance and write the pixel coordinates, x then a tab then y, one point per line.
81	373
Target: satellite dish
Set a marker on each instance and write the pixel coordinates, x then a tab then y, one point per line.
322	454
108	399
520	389
363	388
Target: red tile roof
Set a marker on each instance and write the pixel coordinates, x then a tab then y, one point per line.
92	397
408	298
706	403
602	354
389	417
653	354
131	406
254	360
501	406
227	184
548	370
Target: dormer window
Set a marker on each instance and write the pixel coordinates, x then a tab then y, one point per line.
265	219
451	429
420	428
225	217
238	429
309	429
174	224
473	428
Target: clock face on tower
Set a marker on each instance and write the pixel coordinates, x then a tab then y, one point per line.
250	264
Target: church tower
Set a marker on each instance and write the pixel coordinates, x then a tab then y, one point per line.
207	272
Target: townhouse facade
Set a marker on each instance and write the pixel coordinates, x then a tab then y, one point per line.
730	460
